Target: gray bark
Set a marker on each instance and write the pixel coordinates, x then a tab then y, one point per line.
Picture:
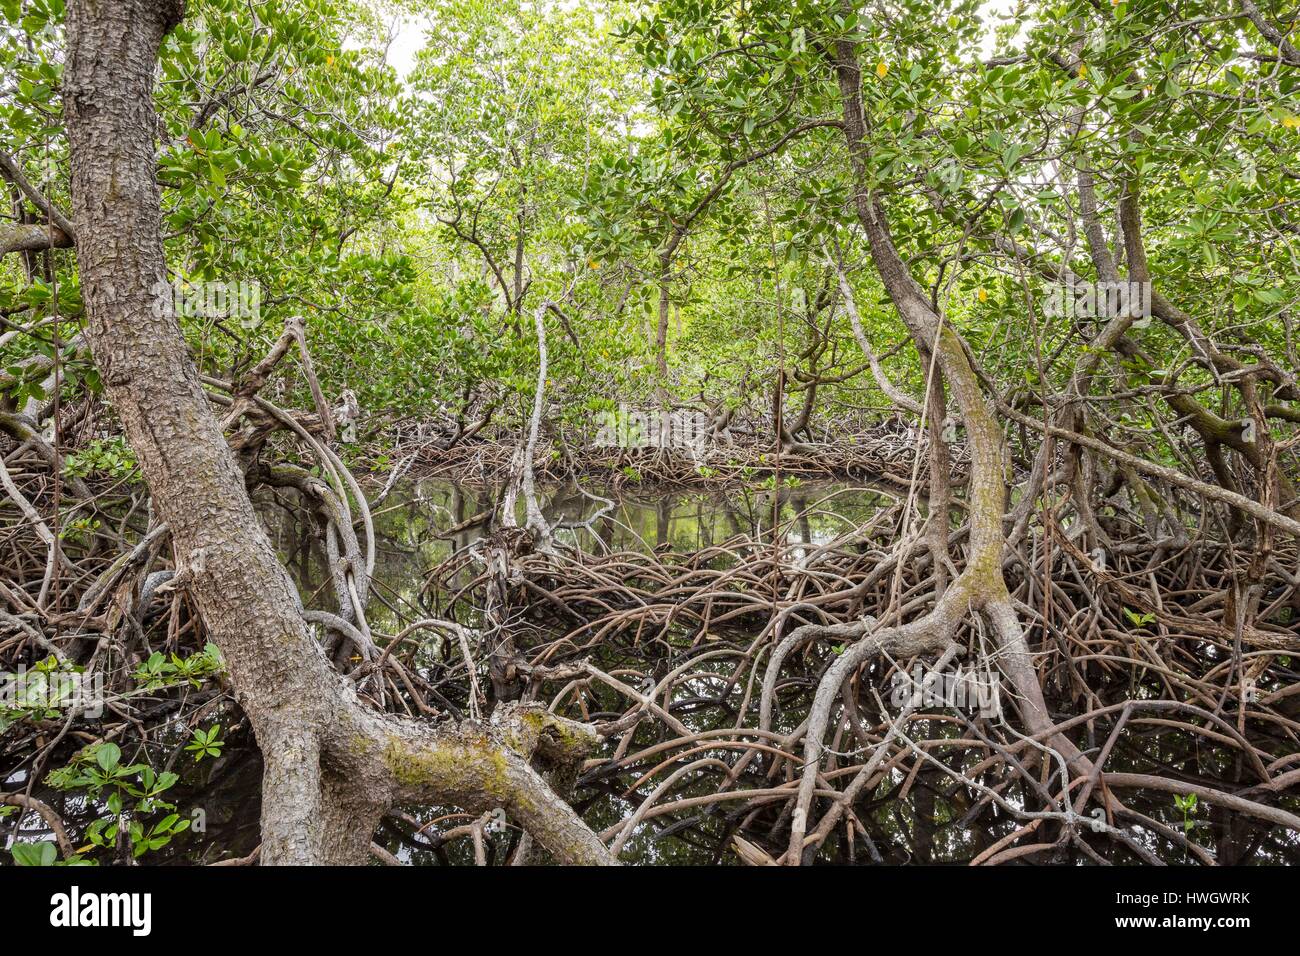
31	237
332	766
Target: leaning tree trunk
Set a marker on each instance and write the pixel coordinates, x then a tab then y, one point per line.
981	585
980	588
332	766
246	599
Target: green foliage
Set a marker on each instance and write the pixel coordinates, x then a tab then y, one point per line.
42	692
161	670
612	156
44	853
110	457
129	793
1137	619
206	743
1186	803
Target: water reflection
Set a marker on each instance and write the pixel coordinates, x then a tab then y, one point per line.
411	527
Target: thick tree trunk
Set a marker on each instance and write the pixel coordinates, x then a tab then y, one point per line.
332	767
246	599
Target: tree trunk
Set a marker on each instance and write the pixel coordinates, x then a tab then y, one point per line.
332	767
661	328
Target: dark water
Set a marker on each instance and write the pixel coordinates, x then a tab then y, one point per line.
935	822
410	524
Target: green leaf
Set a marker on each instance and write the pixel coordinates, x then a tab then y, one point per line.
108	756
35	854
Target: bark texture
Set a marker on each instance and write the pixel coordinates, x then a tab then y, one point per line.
31	237
332	766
